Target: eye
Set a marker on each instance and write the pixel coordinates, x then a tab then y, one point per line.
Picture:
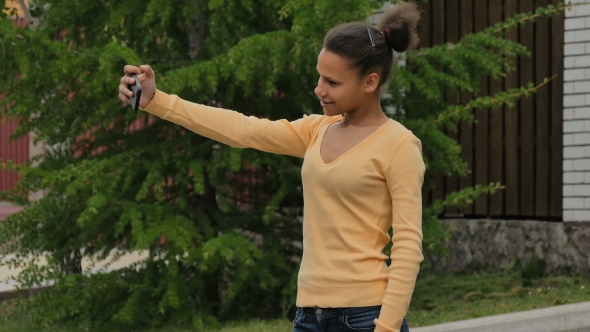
331	82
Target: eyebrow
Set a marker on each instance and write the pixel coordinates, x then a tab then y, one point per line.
326	77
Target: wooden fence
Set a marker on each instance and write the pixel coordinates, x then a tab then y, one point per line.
521	147
17	151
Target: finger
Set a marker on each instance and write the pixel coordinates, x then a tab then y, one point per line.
148	71
126	94
126	80
124	90
124	99
130	70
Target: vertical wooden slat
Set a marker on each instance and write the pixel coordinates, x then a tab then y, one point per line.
452	36
557	35
542	118
426	24
438	37
481	166
496	145
426	41
512	150
527	107
438	22
467	130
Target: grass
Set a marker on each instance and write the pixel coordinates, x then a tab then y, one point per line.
438	298
441	298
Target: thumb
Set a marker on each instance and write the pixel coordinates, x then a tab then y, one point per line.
147	70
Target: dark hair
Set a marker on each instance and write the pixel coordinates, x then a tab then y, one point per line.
396	31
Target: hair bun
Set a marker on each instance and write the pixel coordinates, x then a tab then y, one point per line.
398	25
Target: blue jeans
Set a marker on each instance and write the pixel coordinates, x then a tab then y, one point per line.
338	319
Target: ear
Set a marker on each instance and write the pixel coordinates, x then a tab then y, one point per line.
371	82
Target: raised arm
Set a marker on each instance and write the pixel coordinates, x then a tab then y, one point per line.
235	129
404	179
228	127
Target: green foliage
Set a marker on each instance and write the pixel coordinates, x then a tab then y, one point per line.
533	269
219	246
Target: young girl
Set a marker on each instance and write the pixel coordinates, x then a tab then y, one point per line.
362	173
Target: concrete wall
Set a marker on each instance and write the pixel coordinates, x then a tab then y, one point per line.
494	244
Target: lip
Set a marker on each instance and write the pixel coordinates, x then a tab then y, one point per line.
324	104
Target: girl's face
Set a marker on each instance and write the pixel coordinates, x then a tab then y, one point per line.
340	89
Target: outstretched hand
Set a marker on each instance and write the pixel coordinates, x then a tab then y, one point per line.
147	79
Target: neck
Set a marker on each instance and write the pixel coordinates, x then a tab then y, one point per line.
369	114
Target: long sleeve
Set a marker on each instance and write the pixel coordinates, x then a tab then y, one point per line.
404	178
235	129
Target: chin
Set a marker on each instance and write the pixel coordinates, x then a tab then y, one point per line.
330	112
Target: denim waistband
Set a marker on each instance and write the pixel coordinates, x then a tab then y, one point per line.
331	312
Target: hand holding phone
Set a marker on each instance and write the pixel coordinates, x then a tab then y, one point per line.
139	95
136	89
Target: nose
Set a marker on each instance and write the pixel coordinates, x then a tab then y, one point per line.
319	91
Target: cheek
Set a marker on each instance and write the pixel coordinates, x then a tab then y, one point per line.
349	96
342	93
344	102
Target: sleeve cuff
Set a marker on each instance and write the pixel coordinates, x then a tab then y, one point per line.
155	106
382	328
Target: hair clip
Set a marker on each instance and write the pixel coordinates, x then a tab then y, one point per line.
371	36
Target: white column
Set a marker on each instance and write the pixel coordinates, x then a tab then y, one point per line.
576	114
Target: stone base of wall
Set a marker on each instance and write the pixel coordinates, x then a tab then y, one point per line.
494	244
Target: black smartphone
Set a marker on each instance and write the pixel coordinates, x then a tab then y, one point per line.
136	89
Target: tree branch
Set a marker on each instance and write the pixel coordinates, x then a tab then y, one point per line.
469	106
534	16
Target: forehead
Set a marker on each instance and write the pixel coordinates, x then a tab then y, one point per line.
333	65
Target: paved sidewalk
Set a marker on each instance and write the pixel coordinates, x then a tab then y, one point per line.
7	209
563	318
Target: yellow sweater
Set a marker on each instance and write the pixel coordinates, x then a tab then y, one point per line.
349	204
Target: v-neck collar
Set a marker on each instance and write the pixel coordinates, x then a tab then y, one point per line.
323	135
